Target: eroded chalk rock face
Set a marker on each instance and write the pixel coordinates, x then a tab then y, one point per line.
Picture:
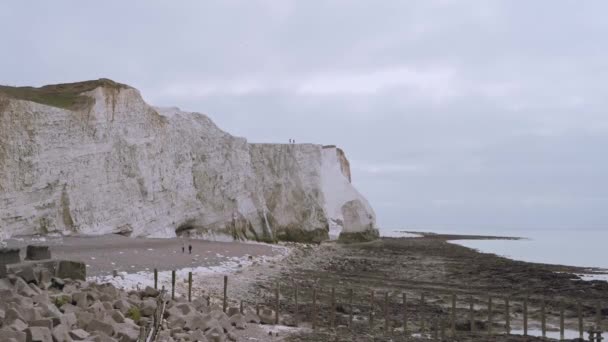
94	158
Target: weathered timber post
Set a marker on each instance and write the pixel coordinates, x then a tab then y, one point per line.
561	321
490	315
453	318
350	306
314	308
295	316
278	303
442	336
155	279
422	327
225	300
257	308
371	310
404	313
386	318
580	320
241	310
507	316
526	316
173	284
598	317
208	300
189	286
332	312
472	315
543	320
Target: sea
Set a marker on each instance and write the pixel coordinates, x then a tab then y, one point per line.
572	247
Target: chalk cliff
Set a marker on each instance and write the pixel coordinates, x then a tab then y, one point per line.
94	158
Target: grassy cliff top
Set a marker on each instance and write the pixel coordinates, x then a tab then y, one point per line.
66	95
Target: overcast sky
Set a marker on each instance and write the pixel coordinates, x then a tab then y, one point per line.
454	114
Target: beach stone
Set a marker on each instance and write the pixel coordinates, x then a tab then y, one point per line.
215	335
238	321
80	298
148	307
151	292
117	316
57	283
97	325
72	270
127	332
251	317
122	305
101	337
23	288
60	333
267	316
45	322
18	325
231	336
37	252
79	334
233	311
69	320
84	318
199	304
198	335
18	336
38	334
44	277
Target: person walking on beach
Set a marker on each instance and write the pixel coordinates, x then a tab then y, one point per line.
190	249
183	248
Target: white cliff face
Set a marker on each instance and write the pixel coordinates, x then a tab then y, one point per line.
118	165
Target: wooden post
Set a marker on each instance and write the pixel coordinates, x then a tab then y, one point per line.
422	327
189	286
371	311
543	321
332	312
490	315
526	316
598	317
442	336
314	308
580	320
295	316
453	318
173	284
155	279
278	303
241	310
404	313
257	308
386	319
472	315
208	301
561	321
225	301
507	316
350	306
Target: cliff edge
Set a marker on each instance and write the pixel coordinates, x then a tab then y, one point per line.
93	158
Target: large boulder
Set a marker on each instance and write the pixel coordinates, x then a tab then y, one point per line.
71	269
38	334
37	253
8	256
6	334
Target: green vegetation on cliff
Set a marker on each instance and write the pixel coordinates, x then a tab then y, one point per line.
67	95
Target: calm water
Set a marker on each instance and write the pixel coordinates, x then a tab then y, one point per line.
586	248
